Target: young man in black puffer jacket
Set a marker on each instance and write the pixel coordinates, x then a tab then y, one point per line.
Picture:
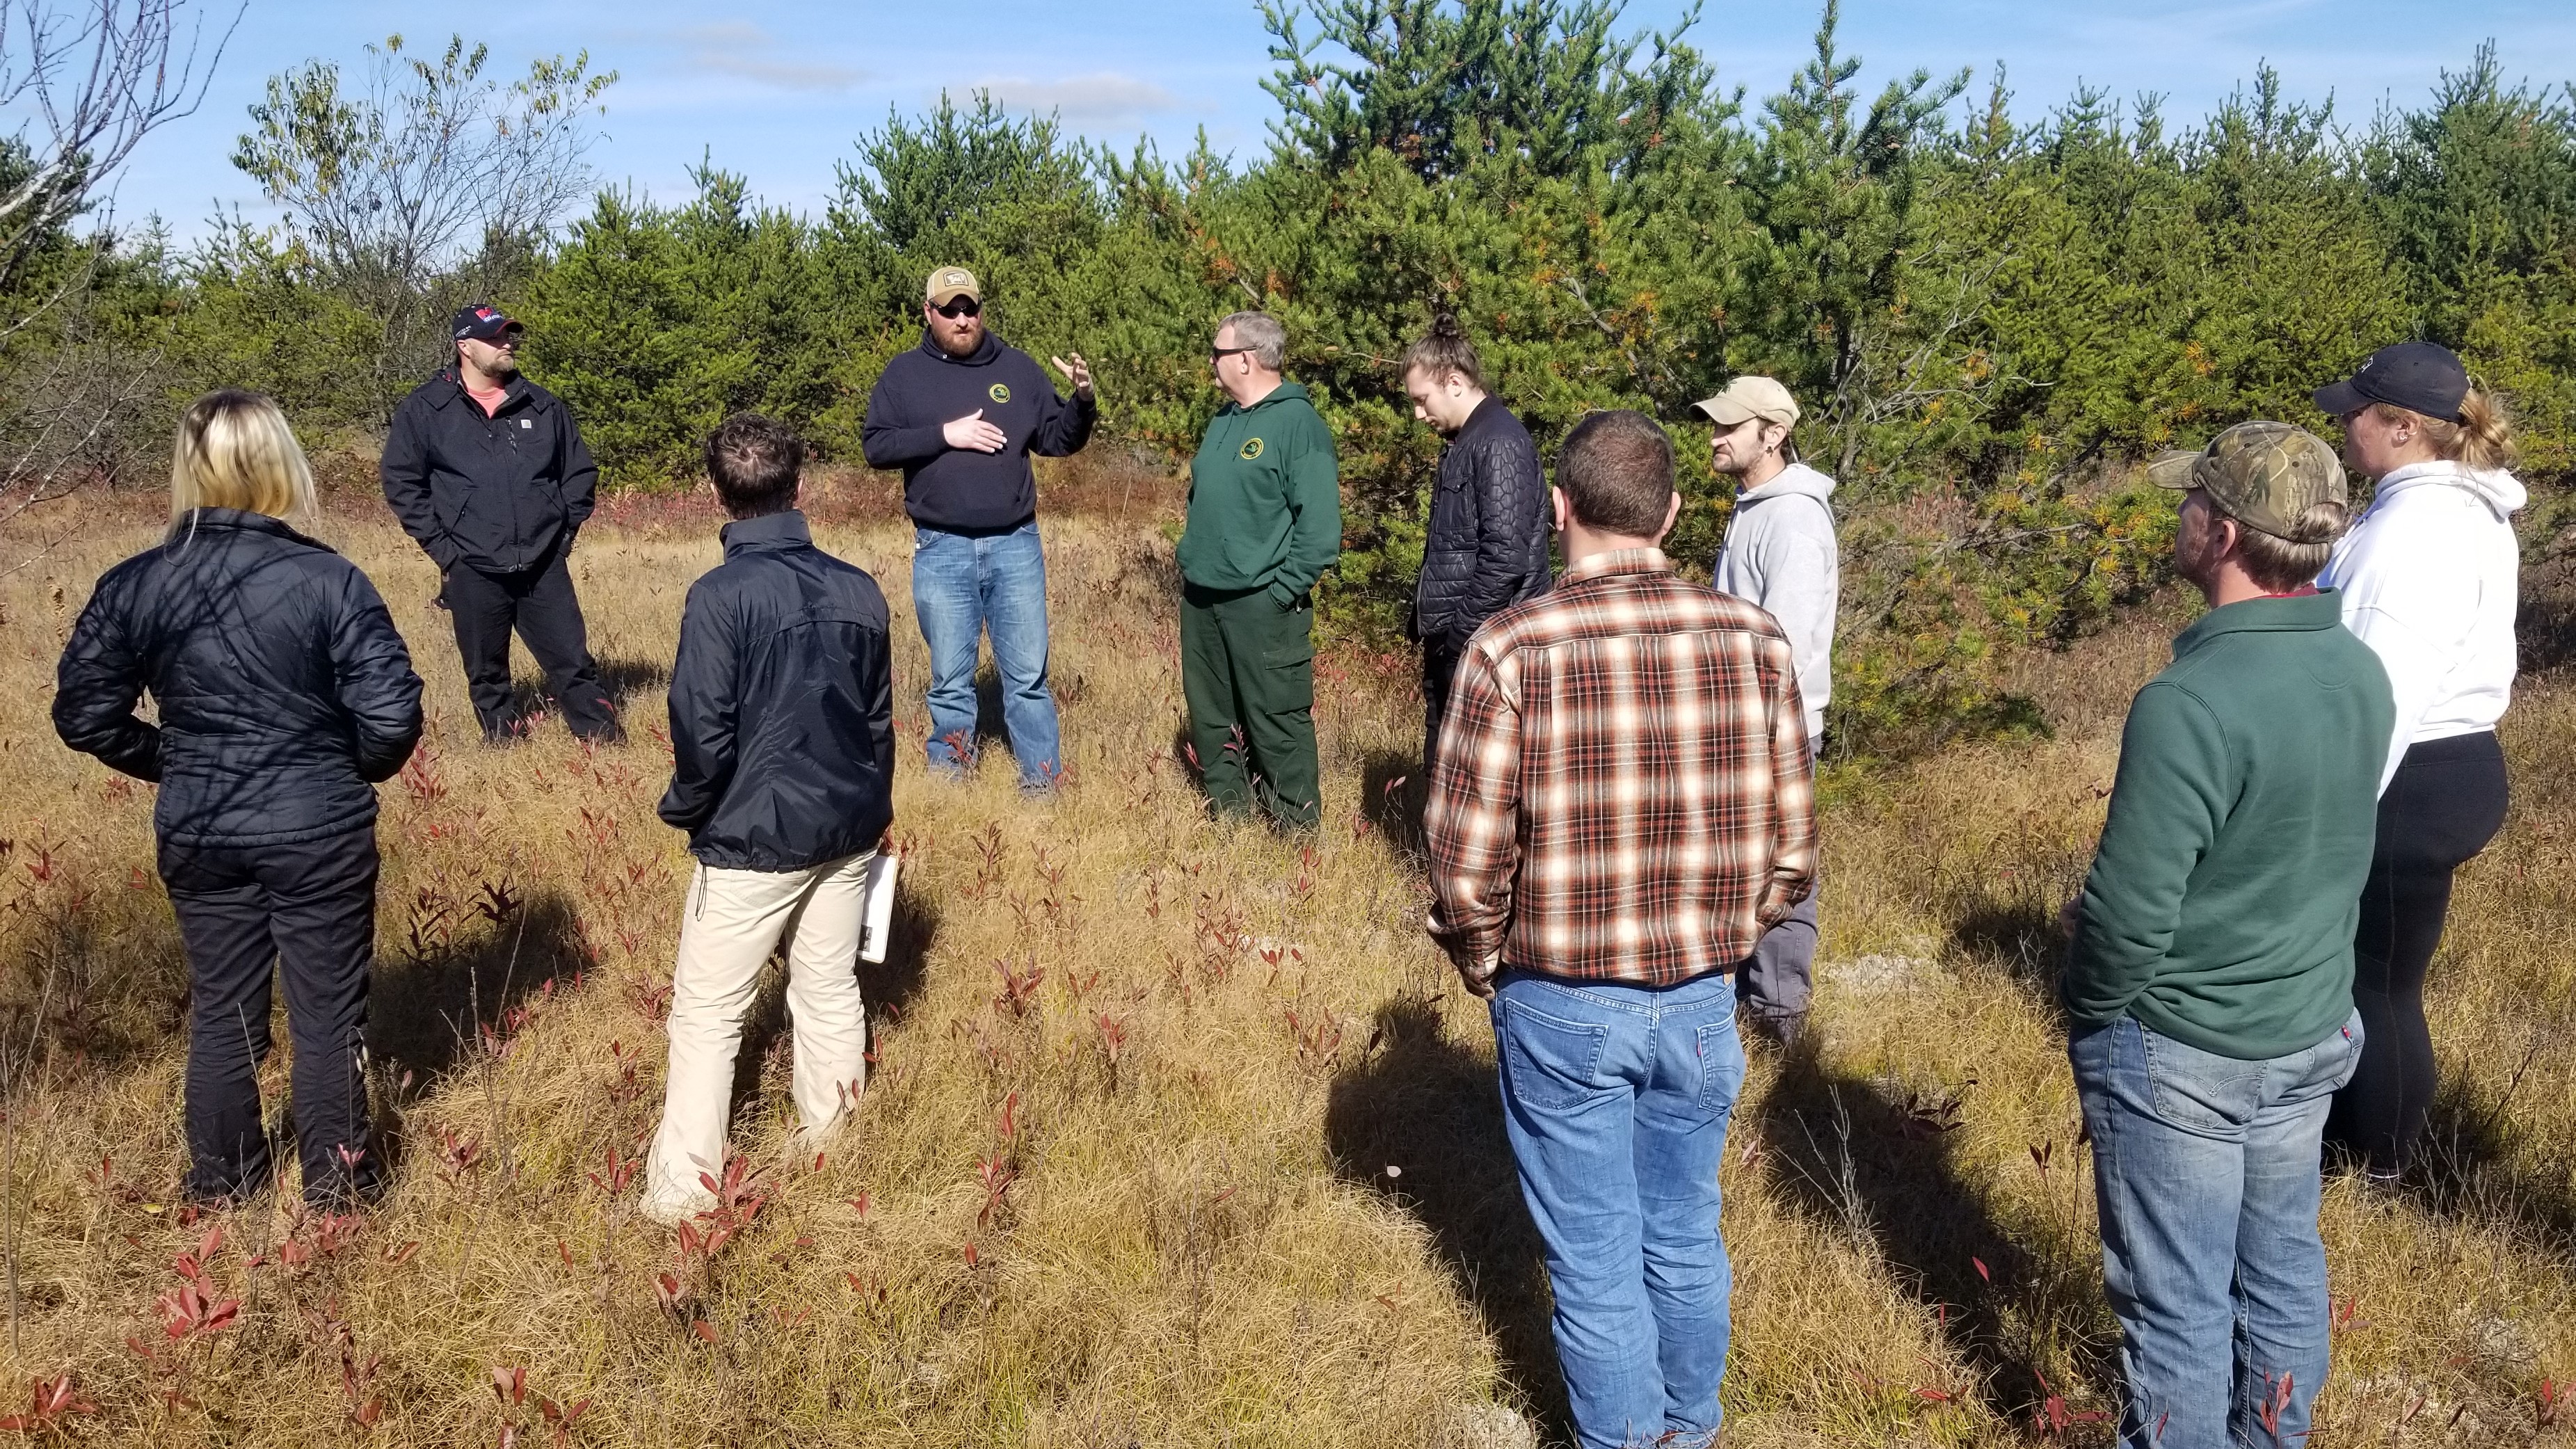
782	753
1487	545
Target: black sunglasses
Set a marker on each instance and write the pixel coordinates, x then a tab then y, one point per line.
960	307
1220	354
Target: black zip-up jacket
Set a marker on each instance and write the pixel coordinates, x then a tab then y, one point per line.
1487	545
924	390
782	705
498	494
284	690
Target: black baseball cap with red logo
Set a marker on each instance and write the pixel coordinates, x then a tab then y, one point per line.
482	322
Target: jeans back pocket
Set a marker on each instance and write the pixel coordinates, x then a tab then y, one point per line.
1548	1062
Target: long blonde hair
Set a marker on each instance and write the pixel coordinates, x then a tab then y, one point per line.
2481	439
235	450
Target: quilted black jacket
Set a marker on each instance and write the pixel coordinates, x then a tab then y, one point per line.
282	687
1487	546
782	705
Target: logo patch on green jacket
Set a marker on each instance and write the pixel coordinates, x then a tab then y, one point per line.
999	392
1251	449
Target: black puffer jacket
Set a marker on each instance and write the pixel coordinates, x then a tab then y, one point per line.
782	705
499	494
283	689
1487	546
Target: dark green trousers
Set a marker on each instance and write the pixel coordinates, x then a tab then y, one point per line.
1248	671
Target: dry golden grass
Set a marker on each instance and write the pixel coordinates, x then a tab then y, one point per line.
1257	1192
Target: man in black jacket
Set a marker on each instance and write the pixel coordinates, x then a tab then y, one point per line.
960	415
782	754
1487	545
489	476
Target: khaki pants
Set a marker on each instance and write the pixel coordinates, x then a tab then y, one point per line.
734	919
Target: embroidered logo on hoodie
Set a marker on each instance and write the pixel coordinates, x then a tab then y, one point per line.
999	392
1251	450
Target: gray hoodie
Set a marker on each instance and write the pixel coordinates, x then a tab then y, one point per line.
1779	555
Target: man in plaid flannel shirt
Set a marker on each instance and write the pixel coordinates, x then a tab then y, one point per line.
1621	806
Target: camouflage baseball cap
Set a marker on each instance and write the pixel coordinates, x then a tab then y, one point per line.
950	283
2265	475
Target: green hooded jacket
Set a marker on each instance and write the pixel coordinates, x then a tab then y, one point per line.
1265	499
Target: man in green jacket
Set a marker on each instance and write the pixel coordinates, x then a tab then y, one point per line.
2209	987
1265	522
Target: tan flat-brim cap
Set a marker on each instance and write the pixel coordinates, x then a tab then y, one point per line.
2265	475
950	283
1750	397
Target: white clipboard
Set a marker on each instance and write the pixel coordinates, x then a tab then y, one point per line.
878	932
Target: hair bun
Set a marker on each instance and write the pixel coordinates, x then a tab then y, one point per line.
1444	324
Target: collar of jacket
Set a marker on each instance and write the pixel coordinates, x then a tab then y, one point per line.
1617	561
986	350
235	520
769	533
1281	393
2295	614
518	390
1484	415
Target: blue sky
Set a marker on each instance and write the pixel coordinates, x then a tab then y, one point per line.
777	89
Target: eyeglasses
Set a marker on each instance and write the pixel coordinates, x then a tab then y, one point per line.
960	307
1220	354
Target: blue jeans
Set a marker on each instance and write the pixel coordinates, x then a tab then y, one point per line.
1615	1099
964	585
2206	1171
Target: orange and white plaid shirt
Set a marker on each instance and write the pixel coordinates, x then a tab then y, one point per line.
1623	791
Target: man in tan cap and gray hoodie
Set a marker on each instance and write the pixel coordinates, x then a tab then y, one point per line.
1779	554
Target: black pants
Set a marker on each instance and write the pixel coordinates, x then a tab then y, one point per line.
1439	670
539	604
2445	803
310	909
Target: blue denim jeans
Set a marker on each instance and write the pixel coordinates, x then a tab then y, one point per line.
1615	1099
2206	1172
964	586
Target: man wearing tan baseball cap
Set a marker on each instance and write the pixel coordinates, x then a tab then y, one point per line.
960	414
1779	554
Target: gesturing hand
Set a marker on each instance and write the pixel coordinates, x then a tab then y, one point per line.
974	435
1077	371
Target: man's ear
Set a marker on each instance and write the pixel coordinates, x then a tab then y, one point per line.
1560	512
1672	515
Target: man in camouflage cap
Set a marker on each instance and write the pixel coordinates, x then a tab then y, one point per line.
2208	986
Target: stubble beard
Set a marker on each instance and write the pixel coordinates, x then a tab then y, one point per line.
956	346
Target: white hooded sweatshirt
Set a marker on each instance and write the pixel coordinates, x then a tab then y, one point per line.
2430	577
1779	555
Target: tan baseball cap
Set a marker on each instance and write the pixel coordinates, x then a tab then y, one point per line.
1750	397
2265	475
950	283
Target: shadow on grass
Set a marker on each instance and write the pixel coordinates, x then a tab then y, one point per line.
1849	1154
889	988
427	1009
2017	933
1392	794
627	681
1427	1105
2467	1170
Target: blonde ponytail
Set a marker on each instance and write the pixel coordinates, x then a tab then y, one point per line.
2481	438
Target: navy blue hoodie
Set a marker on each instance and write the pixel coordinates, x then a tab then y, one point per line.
925	389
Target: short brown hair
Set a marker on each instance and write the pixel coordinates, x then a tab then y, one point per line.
1617	472
1443	351
754	462
2277	563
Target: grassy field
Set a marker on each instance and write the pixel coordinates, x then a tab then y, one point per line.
1178	1135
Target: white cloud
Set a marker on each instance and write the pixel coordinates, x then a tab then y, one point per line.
1103	96
743	50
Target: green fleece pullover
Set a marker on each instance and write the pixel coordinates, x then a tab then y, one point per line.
1265	499
2221	905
